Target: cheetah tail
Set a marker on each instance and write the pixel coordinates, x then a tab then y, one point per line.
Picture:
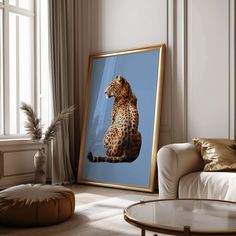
107	158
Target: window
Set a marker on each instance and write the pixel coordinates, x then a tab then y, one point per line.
25	4
44	91
1	72
24	63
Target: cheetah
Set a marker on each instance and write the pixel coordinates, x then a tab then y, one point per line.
122	140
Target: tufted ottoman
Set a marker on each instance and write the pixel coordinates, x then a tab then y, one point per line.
36	205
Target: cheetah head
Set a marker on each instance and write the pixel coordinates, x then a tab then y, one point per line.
119	87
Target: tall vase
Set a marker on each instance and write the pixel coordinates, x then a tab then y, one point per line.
40	167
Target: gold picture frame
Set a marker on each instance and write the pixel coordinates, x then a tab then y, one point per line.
143	69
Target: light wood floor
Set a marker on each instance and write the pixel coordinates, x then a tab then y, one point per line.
99	193
99	211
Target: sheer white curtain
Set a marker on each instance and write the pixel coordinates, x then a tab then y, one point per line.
62	43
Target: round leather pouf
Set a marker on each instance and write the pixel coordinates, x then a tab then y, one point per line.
36	205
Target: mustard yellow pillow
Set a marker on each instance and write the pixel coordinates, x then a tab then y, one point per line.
218	154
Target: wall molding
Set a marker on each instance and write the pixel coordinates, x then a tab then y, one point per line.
15	180
13	157
185	69
231	74
1	165
177	44
170	55
178	36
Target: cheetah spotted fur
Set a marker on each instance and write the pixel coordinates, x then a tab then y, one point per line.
122	140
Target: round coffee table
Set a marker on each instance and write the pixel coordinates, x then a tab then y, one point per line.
184	217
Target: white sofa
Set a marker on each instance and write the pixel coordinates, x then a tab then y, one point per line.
180	175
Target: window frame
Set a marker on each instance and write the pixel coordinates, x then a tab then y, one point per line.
6	10
1	72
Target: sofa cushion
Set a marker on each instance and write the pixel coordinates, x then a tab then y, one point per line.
218	154
208	185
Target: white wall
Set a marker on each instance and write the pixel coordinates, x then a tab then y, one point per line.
16	162
199	82
128	24
209	64
125	24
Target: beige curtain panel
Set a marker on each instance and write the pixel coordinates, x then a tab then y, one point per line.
61	26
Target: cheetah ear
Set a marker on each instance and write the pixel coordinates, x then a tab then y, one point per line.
122	80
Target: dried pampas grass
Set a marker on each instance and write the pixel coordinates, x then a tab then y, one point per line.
51	131
34	128
32	125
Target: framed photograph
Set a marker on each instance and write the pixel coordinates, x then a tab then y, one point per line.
122	118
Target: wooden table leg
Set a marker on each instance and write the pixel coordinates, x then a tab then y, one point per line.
142	232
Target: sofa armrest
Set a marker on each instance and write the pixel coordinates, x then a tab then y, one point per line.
174	161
